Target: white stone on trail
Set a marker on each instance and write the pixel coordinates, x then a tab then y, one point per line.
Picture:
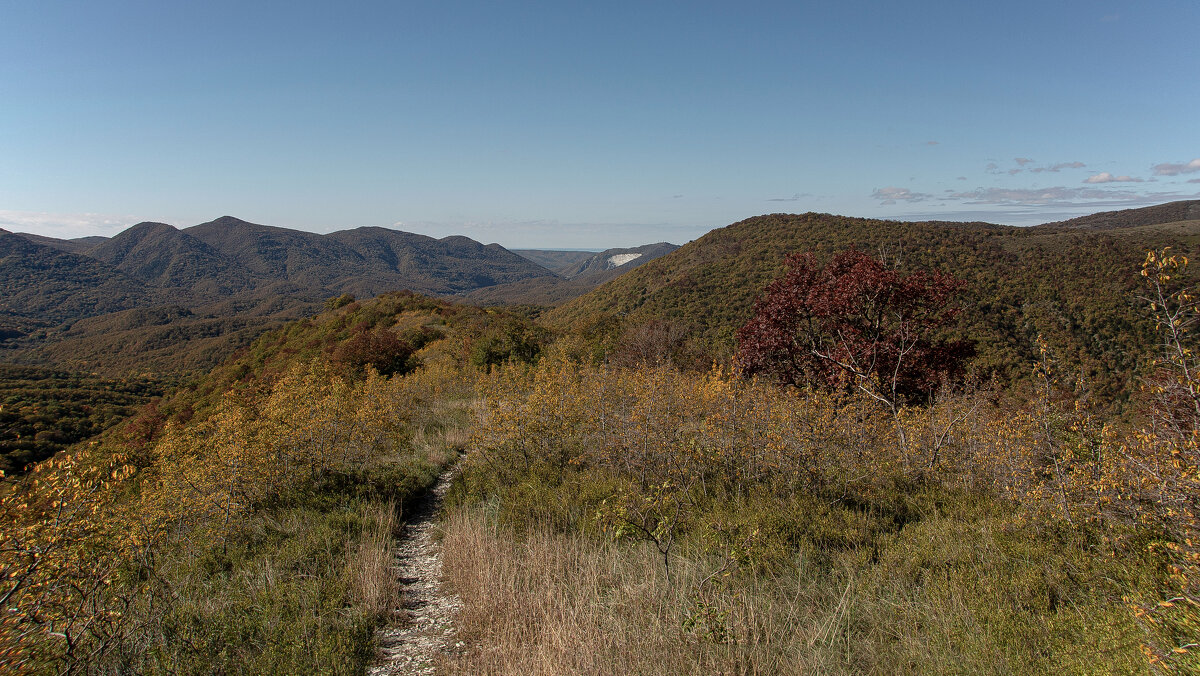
424	624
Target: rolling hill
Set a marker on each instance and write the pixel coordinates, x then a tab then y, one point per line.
45	285
1072	282
227	256
96	303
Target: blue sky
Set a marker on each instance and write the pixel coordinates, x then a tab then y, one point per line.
564	124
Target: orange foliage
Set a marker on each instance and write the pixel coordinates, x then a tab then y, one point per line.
84	532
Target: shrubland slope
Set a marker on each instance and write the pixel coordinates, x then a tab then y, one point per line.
1075	286
243	523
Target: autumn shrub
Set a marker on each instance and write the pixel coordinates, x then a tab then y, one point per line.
754	480
63	546
247	540
378	348
341	301
855	323
511	339
658	342
1158	466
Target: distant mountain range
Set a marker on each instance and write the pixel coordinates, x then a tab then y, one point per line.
44	285
613	259
73	302
228	256
581	271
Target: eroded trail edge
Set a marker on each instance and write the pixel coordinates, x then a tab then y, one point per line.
423	627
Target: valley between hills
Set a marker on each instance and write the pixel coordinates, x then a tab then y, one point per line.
802	443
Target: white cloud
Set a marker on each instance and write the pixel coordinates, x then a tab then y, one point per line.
64	226
1169	169
1055	168
1105	177
1018	216
796	197
1060	196
1023	162
1039	196
891	195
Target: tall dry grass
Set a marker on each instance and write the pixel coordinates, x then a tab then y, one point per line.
557	604
946	597
373	583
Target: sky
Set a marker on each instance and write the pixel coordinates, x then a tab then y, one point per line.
590	125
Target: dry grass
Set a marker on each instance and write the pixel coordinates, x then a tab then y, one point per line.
456	438
566	604
945	598
443	430
373	584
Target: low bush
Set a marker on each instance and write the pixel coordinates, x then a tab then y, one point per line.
992	537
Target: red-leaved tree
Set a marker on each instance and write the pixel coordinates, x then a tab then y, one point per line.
855	324
377	347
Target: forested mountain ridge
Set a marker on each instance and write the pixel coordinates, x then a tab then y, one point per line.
77	245
167	258
227	256
234	278
220	283
1073	285
367	260
44	285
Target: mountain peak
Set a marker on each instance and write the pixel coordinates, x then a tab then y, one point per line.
228	222
146	227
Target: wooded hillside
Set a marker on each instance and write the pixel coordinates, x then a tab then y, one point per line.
1073	286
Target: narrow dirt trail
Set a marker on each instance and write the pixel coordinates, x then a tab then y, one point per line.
424	624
